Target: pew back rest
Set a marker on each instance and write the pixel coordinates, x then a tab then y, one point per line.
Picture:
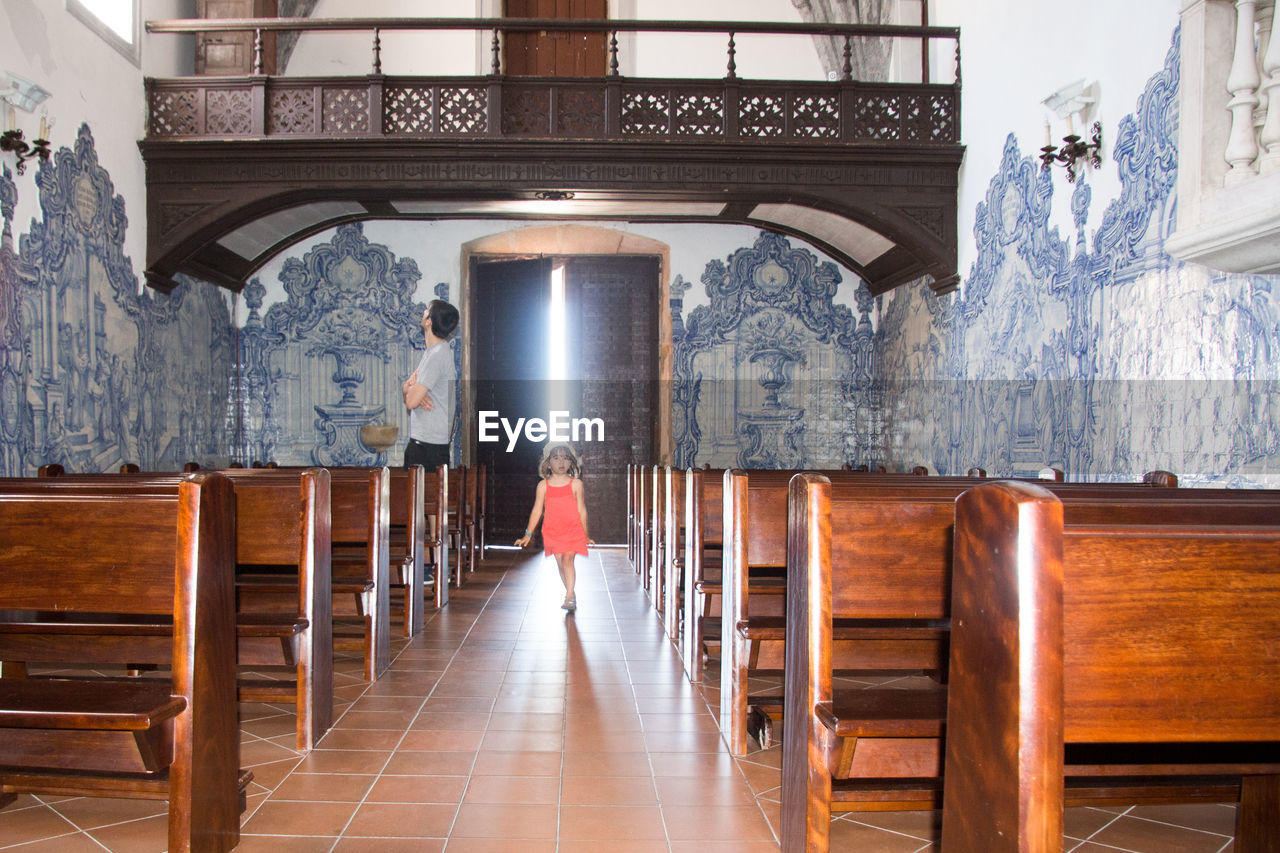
891	554
360	501
118	556
1173	627
283	516
406	487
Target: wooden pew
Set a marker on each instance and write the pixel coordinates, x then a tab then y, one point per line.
94	577
644	524
755	523
284	615
284	590
359	504
656	562
673	521
878	749
407	544
457	516
703	548
482	508
912	517
471	516
631	512
1103	633
435	505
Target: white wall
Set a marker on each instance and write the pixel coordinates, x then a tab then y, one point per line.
436	247
91	83
1015	53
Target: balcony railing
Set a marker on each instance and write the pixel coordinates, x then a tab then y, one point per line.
610	108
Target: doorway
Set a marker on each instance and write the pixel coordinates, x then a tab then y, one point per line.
572	334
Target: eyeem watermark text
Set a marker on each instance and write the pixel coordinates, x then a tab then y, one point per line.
558	427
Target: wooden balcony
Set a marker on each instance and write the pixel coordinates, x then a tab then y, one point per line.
865	171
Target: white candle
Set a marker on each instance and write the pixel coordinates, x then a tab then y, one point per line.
1048	136
44	127
12	121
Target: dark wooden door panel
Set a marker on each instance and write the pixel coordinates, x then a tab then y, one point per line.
559	54
509	328
614	342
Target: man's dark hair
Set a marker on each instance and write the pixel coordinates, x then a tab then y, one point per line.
443	317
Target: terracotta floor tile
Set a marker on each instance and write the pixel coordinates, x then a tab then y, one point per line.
23	825
361	739
305	818
517	741
526	722
93	812
438	763
491	763
290	844
597	846
77	843
489	845
716	823
482	820
419	740
1130	833
324	787
527	790
344	761
402	820
389	845
690	791
607	764
612	823
608	790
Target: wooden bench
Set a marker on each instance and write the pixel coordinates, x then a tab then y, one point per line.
756	526
656	563
284	592
703	544
673	521
284	615
482	508
360	507
435	505
911	516
1105	633
91	577
879	749
456	530
407	544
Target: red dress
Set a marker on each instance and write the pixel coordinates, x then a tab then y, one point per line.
562	531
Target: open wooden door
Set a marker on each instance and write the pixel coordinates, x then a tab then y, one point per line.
561	54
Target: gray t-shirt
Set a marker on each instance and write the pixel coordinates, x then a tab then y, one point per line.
436	372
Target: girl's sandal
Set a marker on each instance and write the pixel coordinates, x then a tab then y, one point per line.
570	604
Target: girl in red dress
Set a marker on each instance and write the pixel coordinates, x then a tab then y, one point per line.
564	533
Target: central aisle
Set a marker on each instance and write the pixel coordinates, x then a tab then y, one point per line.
509	725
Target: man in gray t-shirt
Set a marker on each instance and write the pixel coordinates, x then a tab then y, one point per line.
429	391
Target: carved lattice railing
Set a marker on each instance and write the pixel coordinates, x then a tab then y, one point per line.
607	108
576	108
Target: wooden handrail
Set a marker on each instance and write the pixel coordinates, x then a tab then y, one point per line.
201	25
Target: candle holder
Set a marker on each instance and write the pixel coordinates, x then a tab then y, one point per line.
15	143
1074	150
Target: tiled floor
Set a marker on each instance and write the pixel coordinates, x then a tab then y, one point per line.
508	726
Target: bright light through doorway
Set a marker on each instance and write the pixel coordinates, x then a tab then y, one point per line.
557	356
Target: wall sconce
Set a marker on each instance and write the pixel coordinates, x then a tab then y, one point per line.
1075	98
1073	150
26	96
